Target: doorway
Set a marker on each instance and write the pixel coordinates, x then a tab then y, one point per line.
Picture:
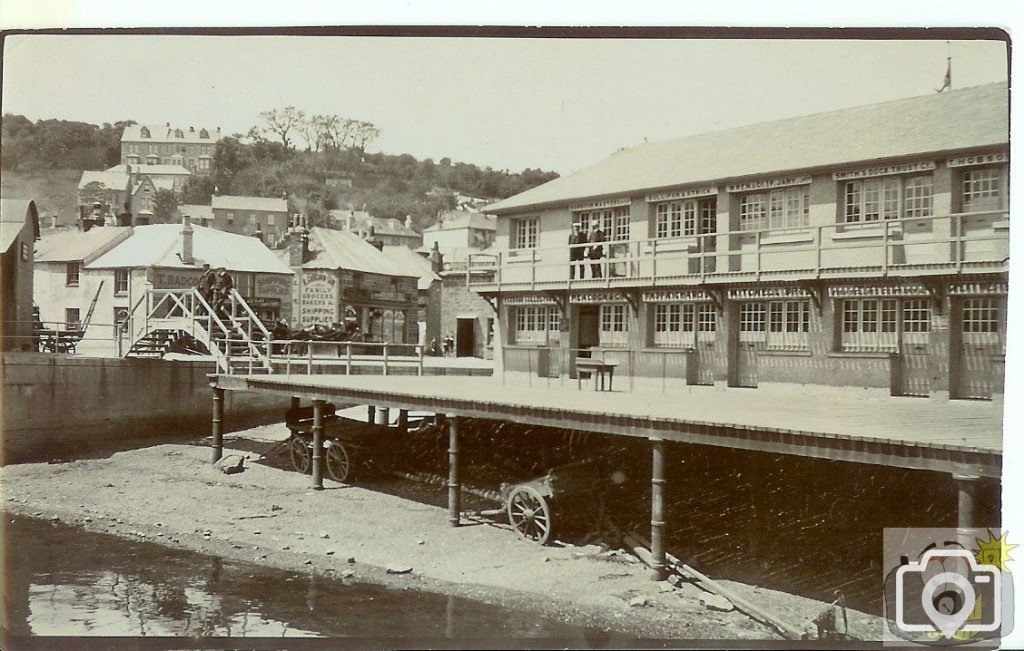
465	336
981	335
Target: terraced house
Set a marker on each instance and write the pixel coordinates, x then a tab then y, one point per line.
864	247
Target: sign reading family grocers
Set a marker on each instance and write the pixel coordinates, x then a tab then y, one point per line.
319	303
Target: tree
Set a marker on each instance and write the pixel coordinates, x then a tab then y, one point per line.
164	205
198	190
363	133
282	122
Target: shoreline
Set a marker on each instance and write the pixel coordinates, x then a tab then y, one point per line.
269	516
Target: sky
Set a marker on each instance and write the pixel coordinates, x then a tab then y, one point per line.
511	103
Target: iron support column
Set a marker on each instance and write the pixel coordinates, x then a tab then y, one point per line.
660	572
217	429
318	445
454	486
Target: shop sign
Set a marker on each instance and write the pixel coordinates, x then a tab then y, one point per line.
978	159
769	292
604	203
978	288
319	304
870	291
708	191
888	170
677	296
768	184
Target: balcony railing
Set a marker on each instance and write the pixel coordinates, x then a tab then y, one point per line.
907	246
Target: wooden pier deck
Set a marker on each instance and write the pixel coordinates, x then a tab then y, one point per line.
957	437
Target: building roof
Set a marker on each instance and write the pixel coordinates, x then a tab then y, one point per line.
158	245
333	249
451	220
112	180
415	263
153	170
73	245
235	202
941	122
14	214
167	133
381	225
196	210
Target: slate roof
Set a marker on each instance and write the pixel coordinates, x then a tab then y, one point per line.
155	170
71	244
164	133
415	263
158	245
333	249
196	210
455	219
113	180
235	202
940	122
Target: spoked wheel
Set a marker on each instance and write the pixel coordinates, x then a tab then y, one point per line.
338	463
529	514
299	452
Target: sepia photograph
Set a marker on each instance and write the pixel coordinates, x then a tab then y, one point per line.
505	337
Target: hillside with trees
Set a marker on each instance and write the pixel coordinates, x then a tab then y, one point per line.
319	161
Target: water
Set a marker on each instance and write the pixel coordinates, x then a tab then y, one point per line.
60	580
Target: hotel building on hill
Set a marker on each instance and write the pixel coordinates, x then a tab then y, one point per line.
865	247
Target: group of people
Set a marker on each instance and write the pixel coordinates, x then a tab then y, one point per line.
215	287
447	347
584	245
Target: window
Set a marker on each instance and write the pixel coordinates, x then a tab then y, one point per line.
980	315
120	281
917	316
682	325
72	318
490	332
72	273
145	132
614	331
776	210
869	325
254	220
752	320
120	319
231	219
524	233
676	219
788	324
536	323
982	190
614	221
876	199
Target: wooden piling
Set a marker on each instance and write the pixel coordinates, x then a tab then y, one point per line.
318	444
454	487
371	414
217	426
403	420
660	572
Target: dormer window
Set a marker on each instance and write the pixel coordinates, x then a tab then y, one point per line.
203	133
178	133
145	132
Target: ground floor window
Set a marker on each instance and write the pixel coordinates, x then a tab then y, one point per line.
884	324
980	315
788	325
614	331
780	325
72	318
393	326
535	324
682	325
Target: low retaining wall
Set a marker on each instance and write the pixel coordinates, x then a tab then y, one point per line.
55	403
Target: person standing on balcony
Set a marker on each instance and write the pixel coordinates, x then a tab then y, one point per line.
596	250
577	238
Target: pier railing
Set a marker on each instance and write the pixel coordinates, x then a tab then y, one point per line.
953	243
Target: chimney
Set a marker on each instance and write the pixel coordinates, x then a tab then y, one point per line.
298	247
218	129
436	259
168	125
186	240
53	220
348	220
258	234
408	222
191	129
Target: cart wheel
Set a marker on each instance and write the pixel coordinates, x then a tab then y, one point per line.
337	462
529	514
300	455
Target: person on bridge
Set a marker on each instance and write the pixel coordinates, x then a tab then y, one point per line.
205	284
222	285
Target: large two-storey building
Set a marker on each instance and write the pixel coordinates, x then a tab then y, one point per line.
864	247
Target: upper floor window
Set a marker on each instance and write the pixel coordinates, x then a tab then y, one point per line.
614	330
524	233
120	281
777	209
887	198
613	221
145	132
203	133
982	189
72	272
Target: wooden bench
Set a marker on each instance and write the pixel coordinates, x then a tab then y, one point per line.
598	367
